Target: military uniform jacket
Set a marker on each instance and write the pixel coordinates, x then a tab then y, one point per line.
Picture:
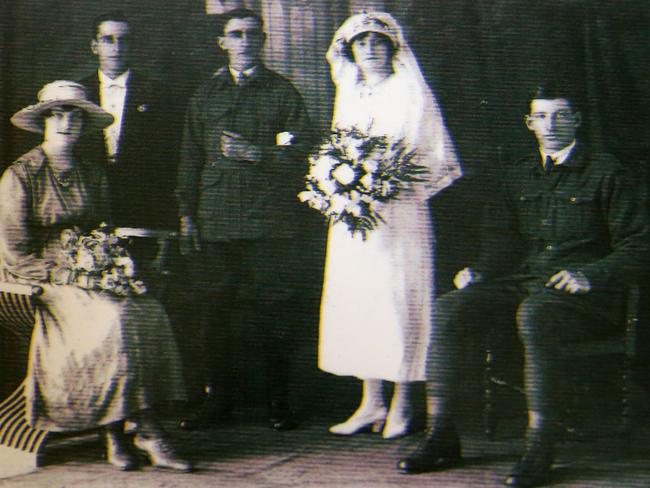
232	199
589	215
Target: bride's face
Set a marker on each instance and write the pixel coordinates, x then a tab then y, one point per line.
373	53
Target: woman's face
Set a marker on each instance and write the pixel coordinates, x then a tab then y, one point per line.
372	53
63	125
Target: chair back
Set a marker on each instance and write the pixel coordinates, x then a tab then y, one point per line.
17	308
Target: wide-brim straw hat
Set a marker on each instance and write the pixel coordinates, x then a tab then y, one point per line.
57	94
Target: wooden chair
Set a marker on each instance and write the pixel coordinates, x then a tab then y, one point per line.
20	444
623	345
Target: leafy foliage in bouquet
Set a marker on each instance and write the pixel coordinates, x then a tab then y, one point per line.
98	261
353	175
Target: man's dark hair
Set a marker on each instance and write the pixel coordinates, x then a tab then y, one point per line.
115	16
551	90
387	40
238	13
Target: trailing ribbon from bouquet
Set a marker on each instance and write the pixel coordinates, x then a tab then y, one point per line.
353	175
97	261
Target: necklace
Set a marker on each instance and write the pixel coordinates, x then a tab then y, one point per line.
64	178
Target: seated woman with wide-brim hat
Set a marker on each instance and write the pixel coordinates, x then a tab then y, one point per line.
97	357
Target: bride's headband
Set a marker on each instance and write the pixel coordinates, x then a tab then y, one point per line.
361	23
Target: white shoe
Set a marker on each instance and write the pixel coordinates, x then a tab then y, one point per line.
161	453
361	420
396	428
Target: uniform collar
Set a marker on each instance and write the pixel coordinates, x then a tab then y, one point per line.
224	75
574	158
248	73
559	157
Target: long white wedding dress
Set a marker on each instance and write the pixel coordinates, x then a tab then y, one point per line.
376	309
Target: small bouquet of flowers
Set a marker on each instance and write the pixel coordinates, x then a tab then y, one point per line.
352	175
97	261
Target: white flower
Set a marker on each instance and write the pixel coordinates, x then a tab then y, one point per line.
344	174
354	209
338	204
355	196
306	196
108	281
321	167
352	150
102	256
318	204
85	260
126	263
370	165
367	181
327	187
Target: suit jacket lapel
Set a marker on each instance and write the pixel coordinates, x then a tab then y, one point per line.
92	87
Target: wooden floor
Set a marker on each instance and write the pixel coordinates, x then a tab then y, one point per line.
251	455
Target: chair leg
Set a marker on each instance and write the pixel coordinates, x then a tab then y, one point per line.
489	418
625	427
19	442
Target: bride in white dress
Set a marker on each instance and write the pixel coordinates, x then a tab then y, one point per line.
376	310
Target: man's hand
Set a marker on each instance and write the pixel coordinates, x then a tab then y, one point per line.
465	277
189	236
234	146
571	282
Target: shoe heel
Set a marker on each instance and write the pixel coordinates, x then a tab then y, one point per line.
377	426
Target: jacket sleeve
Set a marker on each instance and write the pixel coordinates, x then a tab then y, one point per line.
192	158
291	159
18	254
501	245
626	212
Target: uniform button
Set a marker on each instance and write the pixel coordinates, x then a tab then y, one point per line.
573	199
549	247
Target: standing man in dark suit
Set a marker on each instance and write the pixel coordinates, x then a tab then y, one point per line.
243	161
139	147
567	231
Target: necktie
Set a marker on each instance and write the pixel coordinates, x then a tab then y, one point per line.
241	79
548	165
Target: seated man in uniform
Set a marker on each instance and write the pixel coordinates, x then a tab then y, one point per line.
565	234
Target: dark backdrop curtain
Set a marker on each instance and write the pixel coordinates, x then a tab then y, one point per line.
480	57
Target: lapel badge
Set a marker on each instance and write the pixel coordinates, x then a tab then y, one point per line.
142	107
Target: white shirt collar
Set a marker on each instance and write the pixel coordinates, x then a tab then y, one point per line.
120	81
247	72
559	157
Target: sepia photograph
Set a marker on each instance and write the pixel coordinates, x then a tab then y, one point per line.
344	243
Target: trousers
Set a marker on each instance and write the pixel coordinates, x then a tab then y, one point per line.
244	293
547	322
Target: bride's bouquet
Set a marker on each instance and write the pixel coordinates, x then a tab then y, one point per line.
97	261
353	175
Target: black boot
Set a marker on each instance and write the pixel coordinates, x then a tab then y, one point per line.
534	467
118	448
439	450
281	416
210	412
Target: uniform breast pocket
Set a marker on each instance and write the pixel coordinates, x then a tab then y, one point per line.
579	212
531	210
211	175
